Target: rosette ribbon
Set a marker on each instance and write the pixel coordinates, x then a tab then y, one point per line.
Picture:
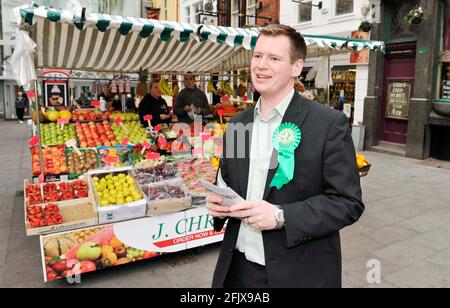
286	140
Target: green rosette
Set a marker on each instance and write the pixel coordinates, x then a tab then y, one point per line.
286	140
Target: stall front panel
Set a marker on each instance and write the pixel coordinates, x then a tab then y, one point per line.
70	254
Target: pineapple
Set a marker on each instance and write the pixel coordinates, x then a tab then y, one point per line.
141	89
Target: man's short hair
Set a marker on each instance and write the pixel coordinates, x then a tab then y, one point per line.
298	44
190	74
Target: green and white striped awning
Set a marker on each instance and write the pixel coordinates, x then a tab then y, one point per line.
125	44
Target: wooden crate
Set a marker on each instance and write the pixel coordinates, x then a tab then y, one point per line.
76	213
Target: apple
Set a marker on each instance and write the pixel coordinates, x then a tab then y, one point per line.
89	252
60	266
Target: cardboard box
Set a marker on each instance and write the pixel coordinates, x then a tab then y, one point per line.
169	205
110	214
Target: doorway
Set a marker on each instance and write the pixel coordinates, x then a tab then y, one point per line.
397	91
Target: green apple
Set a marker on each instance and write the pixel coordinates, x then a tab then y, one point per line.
89	252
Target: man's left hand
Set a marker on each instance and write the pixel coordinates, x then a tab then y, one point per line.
259	215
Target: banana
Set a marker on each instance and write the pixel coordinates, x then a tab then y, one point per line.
223	86
211	87
229	88
176	89
164	87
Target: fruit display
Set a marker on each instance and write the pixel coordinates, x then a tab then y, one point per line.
228	109
33	194
89	115
126	117
52	115
39	216
363	164
66	256
151	171
81	236
136	155
81	164
52	215
115	189
166	190
54	159
54	192
115	156
35	216
192	171
164	87
95	134
132	130
53	135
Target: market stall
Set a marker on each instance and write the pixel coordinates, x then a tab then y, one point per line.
106	191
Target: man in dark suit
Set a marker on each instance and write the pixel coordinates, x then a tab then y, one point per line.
293	161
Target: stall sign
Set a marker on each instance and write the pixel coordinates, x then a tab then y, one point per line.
56	94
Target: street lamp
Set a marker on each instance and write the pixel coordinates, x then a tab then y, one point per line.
319	5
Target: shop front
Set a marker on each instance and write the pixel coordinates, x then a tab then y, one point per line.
440	116
407	108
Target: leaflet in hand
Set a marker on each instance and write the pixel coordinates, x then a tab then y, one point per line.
229	196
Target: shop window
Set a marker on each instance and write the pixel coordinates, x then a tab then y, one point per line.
447	25
164	11
344	7
304	13
235	14
251	11
343	89
444	65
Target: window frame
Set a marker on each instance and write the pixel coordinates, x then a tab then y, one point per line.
235	14
248	12
299	15
335	9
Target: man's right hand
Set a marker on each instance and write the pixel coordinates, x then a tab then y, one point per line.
187	108
215	207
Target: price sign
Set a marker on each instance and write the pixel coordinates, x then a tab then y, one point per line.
73	144
112	160
157	128
118	121
33	141
96	104
153	156
125	141
41	179
148	117
206	137
162	142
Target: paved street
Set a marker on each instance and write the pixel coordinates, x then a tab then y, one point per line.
405	229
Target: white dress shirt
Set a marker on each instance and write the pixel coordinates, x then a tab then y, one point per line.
250	241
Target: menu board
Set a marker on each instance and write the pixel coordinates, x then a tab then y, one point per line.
399	93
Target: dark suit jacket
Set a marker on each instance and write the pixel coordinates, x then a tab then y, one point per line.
323	197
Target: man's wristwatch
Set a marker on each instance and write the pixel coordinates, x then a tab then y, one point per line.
279	217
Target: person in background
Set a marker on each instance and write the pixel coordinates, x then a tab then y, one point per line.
22	104
103	104
190	101
153	104
116	104
130	104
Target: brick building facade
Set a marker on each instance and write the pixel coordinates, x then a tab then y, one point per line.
246	13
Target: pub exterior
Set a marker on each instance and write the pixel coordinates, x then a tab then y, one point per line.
408	108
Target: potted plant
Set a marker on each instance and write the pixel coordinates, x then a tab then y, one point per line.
365	26
415	16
